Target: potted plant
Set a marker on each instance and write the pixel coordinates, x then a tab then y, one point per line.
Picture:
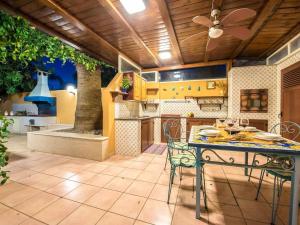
125	84
4	123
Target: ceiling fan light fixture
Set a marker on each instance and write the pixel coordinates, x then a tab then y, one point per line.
215	32
133	6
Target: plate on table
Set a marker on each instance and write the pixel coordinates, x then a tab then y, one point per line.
206	127
268	136
210	133
251	129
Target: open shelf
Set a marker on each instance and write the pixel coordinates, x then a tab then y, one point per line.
114	94
146	103
208	100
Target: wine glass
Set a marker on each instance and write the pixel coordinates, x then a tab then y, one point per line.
230	123
244	123
222	120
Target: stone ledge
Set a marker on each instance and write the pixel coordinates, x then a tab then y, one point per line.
86	146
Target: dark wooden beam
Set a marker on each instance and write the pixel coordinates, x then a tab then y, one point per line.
76	22
265	14
119	18
42	27
283	40
164	11
193	65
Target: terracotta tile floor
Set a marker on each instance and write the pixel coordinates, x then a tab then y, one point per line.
53	189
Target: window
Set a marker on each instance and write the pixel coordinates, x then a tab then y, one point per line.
278	56
127	66
149	76
295	44
198	73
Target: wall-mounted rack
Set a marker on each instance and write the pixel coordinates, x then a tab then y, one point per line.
147	103
208	100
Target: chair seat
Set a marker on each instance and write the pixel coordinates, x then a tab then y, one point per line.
181	146
184	160
281	174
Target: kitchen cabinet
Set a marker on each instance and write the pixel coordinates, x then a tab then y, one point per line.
137	87
143	89
175	132
147	133
259	124
135	92
197	122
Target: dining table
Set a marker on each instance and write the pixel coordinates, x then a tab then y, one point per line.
283	155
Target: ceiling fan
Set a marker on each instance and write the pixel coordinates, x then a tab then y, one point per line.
218	26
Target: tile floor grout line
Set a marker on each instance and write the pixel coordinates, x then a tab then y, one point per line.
243	216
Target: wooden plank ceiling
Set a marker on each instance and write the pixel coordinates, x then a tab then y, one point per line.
104	29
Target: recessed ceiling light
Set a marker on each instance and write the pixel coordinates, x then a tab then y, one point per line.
164	55
133	6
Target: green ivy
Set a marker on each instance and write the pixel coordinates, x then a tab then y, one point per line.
21	42
4	123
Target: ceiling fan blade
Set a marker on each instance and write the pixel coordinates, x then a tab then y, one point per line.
202	20
212	43
238	32
198	35
238	15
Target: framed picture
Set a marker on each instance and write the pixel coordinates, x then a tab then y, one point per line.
211	84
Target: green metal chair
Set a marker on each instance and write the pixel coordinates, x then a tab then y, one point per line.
174	131
280	177
180	158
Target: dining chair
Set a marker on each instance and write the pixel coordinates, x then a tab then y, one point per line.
181	158
289	128
175	131
280	177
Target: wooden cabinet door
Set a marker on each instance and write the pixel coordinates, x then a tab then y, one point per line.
151	132
137	87
197	122
259	124
175	131
290	95
143	89
145	126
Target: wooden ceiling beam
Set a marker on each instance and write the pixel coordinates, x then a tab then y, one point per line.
120	19
280	42
193	65
51	32
164	11
76	22
265	14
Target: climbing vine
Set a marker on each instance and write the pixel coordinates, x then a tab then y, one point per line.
4	123
21	44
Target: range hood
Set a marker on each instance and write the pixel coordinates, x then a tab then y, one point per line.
41	96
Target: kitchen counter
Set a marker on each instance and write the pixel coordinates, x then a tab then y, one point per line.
135	118
149	117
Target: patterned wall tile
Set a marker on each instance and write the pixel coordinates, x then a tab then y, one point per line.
256	77
128	137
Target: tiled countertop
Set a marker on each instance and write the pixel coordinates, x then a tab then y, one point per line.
149	117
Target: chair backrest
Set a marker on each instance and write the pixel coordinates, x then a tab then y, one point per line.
288	129
168	127
184	160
